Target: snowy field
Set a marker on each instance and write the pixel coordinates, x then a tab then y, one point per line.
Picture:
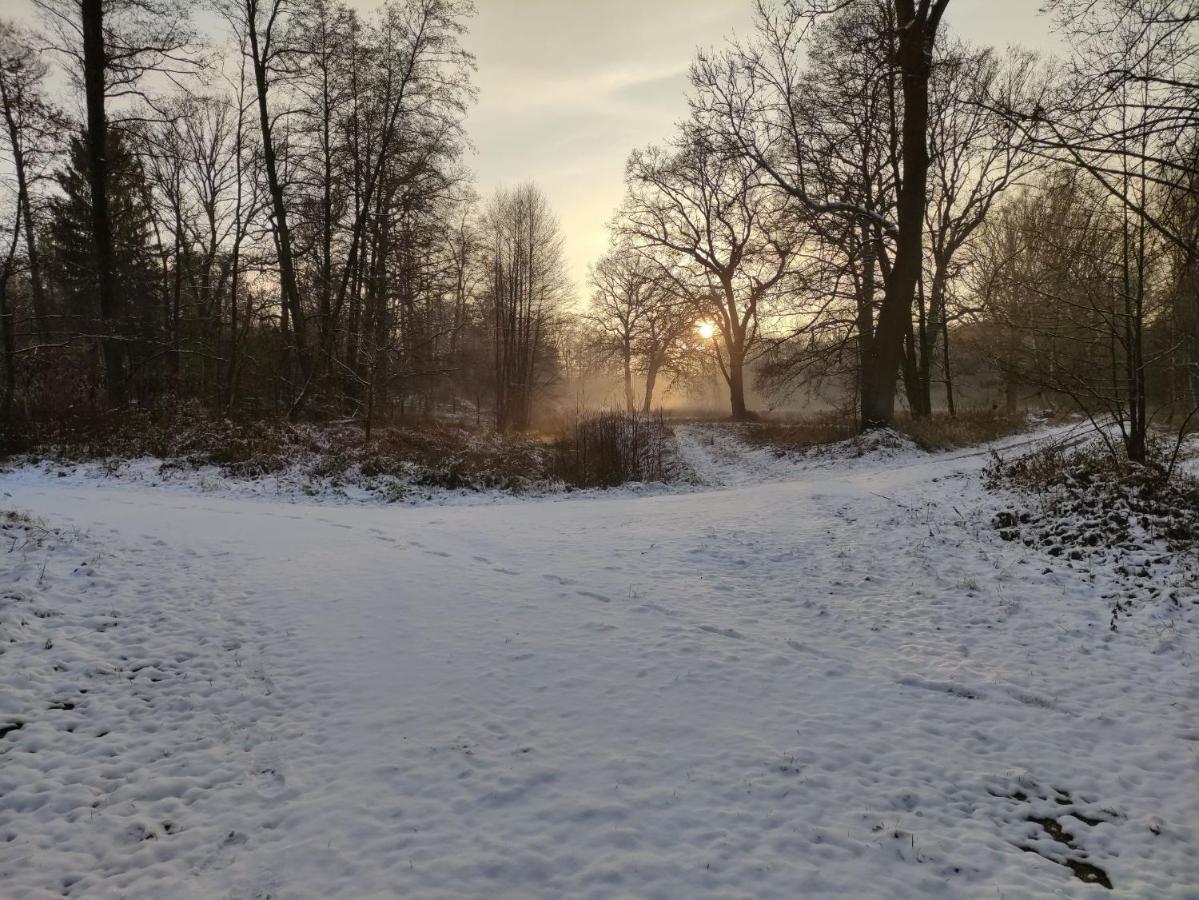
812	678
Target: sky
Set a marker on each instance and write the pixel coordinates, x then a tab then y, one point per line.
567	88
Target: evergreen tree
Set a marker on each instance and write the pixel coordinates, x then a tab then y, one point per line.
71	261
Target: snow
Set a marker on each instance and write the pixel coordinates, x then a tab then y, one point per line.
720	458
300	484
827	678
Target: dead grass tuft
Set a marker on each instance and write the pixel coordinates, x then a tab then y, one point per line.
967	429
801	433
936	433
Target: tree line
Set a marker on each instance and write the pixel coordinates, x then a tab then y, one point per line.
279	219
856	190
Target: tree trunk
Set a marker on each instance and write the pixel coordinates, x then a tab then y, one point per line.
950	402
629	403
287	273
37	289
865	310
94	71
1191	270
651	378
916	36
925	341
176	308
736	380
6	328
911	372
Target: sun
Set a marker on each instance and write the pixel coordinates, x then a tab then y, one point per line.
705	329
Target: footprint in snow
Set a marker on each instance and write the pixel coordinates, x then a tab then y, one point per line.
723	632
656	608
269	782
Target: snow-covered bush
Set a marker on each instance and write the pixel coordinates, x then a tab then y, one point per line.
1090	507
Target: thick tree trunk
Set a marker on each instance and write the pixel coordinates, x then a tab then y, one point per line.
94	69
736	380
916	36
651	378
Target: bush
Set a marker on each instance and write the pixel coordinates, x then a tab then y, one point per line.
614	448
430	455
1090	498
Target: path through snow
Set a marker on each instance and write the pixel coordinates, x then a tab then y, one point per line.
838	685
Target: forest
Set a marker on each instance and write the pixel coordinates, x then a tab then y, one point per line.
265	210
757	456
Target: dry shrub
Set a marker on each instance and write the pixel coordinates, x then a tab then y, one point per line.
436	455
429	454
935	433
1090	497
802	433
612	448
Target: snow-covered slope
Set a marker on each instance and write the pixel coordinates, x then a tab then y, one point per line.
841	684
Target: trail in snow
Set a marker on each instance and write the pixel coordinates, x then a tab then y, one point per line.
721	458
842	684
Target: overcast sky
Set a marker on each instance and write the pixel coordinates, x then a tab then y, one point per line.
568	87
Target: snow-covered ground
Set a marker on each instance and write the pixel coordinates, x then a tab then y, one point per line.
822	680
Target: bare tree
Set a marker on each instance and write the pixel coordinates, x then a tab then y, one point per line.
29	121
975	156
258	25
622	290
526	290
641	319
713	212
748	95
1126	114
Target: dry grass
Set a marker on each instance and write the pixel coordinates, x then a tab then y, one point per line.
801	433
967	429
427	454
598	451
937	433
